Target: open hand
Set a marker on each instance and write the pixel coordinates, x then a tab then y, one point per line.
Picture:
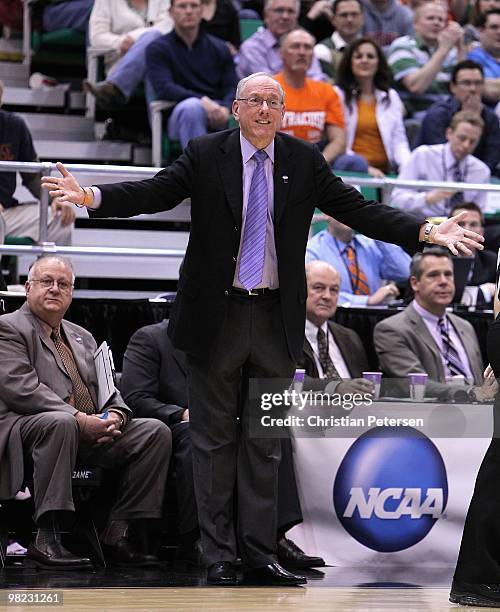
65	189
457	239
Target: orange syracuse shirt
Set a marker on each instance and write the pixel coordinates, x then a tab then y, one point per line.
309	109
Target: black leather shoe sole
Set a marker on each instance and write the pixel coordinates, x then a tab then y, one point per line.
223	581
29	563
258	578
301	563
473	599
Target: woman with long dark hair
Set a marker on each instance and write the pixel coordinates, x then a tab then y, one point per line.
373	111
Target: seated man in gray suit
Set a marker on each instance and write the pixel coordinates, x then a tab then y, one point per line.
331	350
49	414
154	384
425	338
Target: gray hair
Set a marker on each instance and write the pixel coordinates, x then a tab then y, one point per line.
268	2
241	85
64	260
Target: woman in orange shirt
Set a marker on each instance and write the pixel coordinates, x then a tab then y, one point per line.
373	111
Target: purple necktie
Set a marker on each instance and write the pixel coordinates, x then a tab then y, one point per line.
254	235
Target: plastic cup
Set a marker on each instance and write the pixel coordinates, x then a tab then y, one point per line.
417	382
375	378
298	379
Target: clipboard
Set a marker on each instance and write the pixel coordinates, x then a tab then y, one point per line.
105	369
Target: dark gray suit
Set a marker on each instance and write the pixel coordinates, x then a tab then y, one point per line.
404	344
36	419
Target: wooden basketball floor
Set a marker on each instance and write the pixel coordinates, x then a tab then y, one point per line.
262	599
332	588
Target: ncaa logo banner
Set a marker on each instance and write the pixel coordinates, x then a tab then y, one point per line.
392	496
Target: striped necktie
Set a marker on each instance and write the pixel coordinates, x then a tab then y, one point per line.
451	356
254	236
359	281
81	394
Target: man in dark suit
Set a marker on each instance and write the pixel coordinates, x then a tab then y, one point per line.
484	266
239	310
154	383
49	415
344	348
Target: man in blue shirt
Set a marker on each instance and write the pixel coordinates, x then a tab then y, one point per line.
467	87
193	69
363	264
488	54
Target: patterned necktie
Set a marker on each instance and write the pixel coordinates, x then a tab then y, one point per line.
458	197
451	356
83	400
359	281
329	370
254	236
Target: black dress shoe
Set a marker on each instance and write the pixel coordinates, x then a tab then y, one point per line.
272	574
123	554
475	594
222	573
54	556
290	555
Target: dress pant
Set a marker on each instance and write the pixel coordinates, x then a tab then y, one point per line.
289	510
183	463
251	344
141	453
479	557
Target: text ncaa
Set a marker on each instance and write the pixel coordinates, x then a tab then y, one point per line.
390	488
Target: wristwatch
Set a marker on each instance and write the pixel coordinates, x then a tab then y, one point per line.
427	231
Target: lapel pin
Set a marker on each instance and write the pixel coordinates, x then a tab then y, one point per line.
285	179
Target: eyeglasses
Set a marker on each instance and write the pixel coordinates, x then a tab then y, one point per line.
48	283
467	83
257	101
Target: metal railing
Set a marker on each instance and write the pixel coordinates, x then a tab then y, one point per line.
386	184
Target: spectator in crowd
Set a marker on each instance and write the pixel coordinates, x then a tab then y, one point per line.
220	19
316	16
421	63
373	111
49	411
488	54
386	20
261	53
363	264
480	289
22	219
313	111
467	86
425	338
154	384
193	69
479	8
11	14
331	350
452	161
124	29
73	14
348	21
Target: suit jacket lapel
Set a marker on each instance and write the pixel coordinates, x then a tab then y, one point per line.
283	176
231	169
425	336
342	342
46	341
471	348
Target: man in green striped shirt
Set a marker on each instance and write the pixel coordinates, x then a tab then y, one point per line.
422	63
